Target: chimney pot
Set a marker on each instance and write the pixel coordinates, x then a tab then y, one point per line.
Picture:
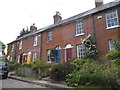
33	28
57	17
98	3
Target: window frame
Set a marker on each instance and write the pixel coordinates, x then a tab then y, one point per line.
81	55
35	40
48	56
34	56
80	27
49	37
20	44
106	15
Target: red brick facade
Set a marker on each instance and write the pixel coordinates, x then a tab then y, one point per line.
64	33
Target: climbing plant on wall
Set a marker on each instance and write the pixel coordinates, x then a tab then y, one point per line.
91	50
53	54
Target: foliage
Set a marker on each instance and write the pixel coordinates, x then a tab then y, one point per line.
60	71
26	65
112	73
3	48
38	64
52	54
93	73
9	48
23	32
13	66
78	63
91	50
114	55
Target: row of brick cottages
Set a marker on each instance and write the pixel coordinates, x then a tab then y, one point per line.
66	36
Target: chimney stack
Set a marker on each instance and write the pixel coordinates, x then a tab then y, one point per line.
57	17
33	28
98	3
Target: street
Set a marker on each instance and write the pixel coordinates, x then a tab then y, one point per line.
11	83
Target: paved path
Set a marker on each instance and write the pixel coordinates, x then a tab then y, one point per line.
11	83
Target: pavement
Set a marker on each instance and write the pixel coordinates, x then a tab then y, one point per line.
46	82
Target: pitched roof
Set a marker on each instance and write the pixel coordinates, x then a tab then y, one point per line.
68	20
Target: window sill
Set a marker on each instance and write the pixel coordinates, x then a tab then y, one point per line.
113	27
35	45
49	42
79	34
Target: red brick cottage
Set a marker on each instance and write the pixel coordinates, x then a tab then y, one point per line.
65	36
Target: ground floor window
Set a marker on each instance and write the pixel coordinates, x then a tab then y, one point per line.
18	58
111	45
81	51
34	56
48	56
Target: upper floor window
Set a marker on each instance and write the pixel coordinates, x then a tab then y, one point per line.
112	19
81	51
35	40
20	44
79	28
50	36
12	47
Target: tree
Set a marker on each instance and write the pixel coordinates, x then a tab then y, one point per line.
3	49
23	32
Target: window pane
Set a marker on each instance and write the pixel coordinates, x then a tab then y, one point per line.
80	51
112	19
79	27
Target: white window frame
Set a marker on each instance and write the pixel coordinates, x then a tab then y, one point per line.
112	19
111	46
48	56
34	56
81	51
79	28
35	40
20	44
49	39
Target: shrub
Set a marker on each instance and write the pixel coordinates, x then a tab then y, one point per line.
59	71
111	74
89	74
13	66
38	64
78	63
25	65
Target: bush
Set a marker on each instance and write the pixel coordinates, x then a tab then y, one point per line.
25	65
38	64
13	66
59	71
111	74
89	74
94	74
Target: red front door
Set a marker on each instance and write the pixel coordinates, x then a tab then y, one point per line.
68	54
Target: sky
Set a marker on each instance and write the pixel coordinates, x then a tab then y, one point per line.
18	14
